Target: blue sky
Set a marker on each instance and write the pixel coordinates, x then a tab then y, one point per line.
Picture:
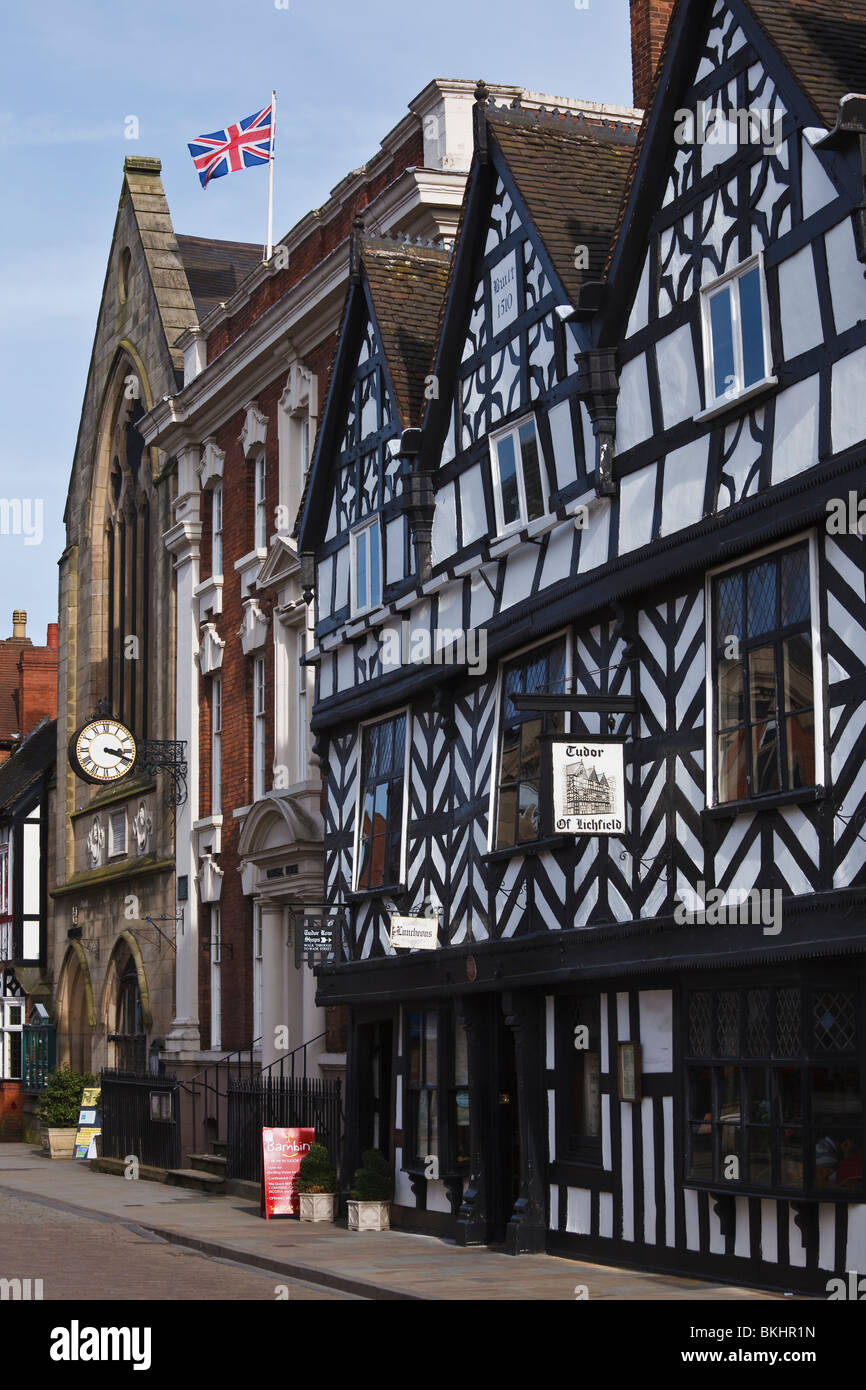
70	76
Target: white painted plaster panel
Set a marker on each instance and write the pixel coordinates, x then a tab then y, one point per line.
847	285
445	523
684	486
472	508
849	401
595	540
562	435
639	316
633	417
681	398
637	503
394	535
579	1211
818	187
519	573
656	1030
795	442
800	310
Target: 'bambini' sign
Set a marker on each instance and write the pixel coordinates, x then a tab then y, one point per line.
282	1151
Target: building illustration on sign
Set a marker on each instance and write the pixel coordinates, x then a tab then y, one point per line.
587	794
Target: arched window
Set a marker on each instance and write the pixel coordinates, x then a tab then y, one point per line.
127	526
129	1036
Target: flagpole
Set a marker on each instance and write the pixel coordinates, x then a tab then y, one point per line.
270	245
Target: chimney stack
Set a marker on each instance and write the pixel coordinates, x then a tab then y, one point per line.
649	25
51	638
19	624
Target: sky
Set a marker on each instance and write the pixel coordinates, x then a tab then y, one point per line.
72	75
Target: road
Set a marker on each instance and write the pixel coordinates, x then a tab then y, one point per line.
96	1257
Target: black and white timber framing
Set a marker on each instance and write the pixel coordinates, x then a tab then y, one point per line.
537	935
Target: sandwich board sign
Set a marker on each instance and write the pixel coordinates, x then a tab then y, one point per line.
282	1151
89	1124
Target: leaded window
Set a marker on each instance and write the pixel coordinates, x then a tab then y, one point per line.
764	697
541	671
775	1087
380	836
578	1043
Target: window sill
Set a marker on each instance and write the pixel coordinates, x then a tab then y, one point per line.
775	1194
494	856
727	810
732	403
385	890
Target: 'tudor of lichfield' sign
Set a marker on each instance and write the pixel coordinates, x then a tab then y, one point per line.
588	786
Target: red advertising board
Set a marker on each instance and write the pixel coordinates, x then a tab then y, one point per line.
282	1151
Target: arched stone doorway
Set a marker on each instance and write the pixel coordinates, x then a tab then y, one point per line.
76	1017
126	1008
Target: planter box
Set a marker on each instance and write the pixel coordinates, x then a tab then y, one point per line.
369	1216
58	1143
317	1206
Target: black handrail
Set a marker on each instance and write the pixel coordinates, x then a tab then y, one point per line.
281	1061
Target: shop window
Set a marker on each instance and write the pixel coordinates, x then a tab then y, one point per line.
774	1088
578	1044
437	1118
422	1087
380	833
540	671
764	677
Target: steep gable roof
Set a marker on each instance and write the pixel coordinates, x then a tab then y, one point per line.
823	42
215	270
407	286
30	762
570	173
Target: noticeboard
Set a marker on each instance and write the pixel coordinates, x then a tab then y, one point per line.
89	1123
282	1151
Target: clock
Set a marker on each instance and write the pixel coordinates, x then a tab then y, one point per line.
102	751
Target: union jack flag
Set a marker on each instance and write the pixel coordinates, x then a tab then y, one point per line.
237	147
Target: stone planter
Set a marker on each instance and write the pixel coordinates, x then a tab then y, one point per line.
369	1216
317	1206
58	1143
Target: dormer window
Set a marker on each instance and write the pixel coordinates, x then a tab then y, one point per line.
519	482
736	333
366	556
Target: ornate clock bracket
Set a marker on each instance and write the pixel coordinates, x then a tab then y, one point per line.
165	755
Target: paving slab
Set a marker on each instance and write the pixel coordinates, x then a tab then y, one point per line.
378	1265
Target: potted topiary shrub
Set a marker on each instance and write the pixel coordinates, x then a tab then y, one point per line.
58	1111
317	1185
373	1188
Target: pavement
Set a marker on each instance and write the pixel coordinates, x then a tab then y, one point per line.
320	1256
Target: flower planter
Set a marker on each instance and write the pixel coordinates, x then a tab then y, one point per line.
317	1206
369	1216
58	1143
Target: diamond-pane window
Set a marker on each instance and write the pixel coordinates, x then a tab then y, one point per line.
700	1016
730	608
788	1030
728	1023
761	599
758	1022
796	601
834	1016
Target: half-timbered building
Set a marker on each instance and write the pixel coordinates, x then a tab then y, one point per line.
628	509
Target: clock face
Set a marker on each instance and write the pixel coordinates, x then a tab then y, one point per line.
102	751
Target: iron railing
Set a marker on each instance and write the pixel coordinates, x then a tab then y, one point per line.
140	1116
288	1061
205	1097
38	1056
283	1102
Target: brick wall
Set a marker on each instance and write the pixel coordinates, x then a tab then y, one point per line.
649	23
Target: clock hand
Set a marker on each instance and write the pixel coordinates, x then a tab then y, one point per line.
115	752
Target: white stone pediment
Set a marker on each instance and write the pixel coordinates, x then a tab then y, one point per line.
210	880
210	652
211	466
254	627
281	564
252	436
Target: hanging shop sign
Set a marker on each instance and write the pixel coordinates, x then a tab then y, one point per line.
282	1151
317	935
415	933
588	786
89	1124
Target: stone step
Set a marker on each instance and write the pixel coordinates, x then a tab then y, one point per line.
220	1147
209	1163
197	1179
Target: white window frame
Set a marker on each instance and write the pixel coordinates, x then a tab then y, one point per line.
118	834
6	1030
563	633
363	603
302	639
5	898
260	530
259	708
216	704
359	794
216	532
215	978
258	969
711	780
522	521
708	293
